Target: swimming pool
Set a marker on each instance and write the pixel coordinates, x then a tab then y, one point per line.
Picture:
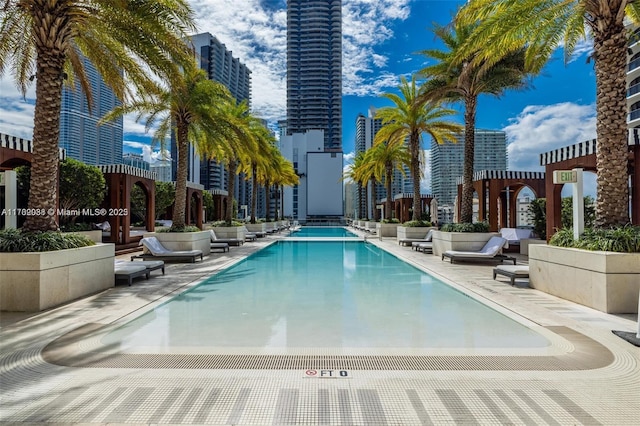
345	295
320	231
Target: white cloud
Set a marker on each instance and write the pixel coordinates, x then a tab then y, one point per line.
256	34
541	128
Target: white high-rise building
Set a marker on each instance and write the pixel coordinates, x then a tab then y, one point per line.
318	196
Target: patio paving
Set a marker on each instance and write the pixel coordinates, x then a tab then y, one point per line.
597	381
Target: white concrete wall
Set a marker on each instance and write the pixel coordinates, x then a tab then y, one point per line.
324	184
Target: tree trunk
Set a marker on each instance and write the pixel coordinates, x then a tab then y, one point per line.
388	180
279	190
414	148
610	50
254	193
233	166
267	214
179	206
466	214
374	195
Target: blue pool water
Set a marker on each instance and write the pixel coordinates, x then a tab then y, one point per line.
334	294
320	231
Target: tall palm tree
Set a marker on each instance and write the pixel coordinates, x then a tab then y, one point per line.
541	26
284	175
383	158
463	80
365	174
192	109
352	174
409	118
47	39
241	145
258	160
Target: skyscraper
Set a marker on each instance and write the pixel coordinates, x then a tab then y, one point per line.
314	69
220	65
80	134
447	161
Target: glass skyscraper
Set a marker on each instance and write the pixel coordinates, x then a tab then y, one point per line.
80	134
314	69
447	161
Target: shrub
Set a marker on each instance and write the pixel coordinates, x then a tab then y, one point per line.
225	223
465	227
394	220
16	241
76	227
184	229
625	239
417	223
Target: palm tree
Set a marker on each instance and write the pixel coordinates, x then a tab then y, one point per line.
46	39
191	108
383	158
462	80
239	147
283	175
352	174
365	174
258	160
409	119
541	26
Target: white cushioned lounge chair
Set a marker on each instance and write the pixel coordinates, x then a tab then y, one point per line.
491	251
155	250
512	272
229	241
410	241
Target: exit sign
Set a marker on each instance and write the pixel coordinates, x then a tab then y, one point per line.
565	176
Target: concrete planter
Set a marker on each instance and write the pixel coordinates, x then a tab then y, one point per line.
31	282
464	241
185	240
412	232
256	227
370	225
606	281
230	232
526	242
387	229
270	226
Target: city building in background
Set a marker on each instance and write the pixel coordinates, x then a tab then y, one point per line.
314	69
135	160
80	134
447	161
318	196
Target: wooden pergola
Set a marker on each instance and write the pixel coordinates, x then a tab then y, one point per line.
498	192
15	151
403	203
583	155
121	179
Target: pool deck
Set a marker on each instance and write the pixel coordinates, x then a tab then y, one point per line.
596	380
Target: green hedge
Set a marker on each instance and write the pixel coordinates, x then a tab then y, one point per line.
16	241
622	240
417	224
184	229
465	227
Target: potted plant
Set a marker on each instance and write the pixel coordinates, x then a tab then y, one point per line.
185	238
413	229
461	236
234	229
600	270
387	228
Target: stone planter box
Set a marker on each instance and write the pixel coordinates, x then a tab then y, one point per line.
270	227
31	282
463	241
412	232
526	242
370	226
386	229
606	281
230	232
185	240
256	227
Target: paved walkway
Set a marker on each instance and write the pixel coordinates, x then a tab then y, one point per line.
596	381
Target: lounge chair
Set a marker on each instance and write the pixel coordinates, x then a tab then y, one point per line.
159	252
229	241
410	241
425	247
491	251
151	265
512	272
223	247
251	236
128	271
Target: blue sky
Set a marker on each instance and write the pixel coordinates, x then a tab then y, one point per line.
381	39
